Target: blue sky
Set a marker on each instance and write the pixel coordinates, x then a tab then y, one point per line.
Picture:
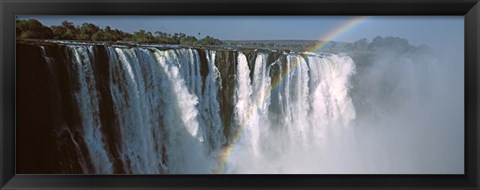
429	30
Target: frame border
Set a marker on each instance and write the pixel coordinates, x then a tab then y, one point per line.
9	8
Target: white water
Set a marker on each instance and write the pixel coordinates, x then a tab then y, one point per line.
294	115
311	98
210	105
170	121
87	100
158	114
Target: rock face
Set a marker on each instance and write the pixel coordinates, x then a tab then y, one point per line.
48	122
116	108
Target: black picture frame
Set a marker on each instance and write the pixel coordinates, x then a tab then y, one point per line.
9	8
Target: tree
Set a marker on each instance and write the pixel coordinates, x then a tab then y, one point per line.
162	37
210	41
102	36
392	43
68	25
66	31
188	40
143	37
175	38
361	44
32	29
87	30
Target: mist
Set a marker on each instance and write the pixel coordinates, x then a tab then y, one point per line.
410	105
379	107
408	118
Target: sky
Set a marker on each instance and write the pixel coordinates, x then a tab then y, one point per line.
428	30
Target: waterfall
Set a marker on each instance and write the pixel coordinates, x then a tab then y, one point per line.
210	106
167	117
282	120
87	100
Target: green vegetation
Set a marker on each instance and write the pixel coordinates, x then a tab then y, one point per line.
33	29
360	50
362	46
294	45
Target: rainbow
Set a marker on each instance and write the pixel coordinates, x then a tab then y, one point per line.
321	42
335	32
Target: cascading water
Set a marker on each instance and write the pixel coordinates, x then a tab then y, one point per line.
168	118
87	100
278	121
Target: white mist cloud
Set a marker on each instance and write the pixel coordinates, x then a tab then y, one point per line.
413	113
409	105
